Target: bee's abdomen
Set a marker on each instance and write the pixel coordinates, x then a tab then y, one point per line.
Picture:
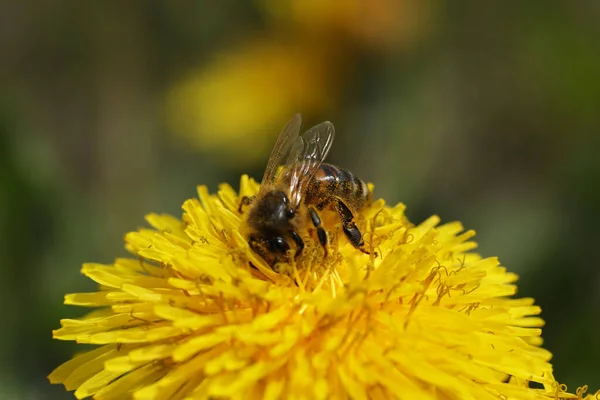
330	180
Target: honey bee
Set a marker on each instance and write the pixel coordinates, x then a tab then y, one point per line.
296	186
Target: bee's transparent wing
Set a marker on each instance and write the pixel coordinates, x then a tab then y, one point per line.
305	158
283	145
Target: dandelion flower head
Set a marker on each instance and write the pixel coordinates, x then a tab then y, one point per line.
195	314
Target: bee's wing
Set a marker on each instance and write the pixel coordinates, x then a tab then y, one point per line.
285	141
305	158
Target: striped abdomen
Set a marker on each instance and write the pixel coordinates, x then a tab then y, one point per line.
330	180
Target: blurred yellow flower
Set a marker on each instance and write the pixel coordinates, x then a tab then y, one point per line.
302	63
228	104
191	318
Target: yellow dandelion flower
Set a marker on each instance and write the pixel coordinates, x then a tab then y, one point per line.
197	315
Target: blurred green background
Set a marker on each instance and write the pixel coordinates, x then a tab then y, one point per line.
485	112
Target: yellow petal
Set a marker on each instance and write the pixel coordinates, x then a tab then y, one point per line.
123	386
95	383
196	344
60	374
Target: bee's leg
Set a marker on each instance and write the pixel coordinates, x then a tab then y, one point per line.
299	242
350	229
316	220
245	201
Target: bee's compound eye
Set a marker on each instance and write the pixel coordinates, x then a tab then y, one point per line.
278	245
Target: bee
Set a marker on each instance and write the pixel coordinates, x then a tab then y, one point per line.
296	186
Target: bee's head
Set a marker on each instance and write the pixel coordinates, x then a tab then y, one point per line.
274	211
270	222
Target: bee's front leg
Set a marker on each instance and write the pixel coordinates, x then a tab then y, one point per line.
299	242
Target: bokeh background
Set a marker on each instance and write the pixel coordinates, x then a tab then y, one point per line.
485	112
